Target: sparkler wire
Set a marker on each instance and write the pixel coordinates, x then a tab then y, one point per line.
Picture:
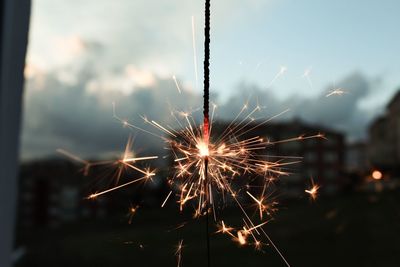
206	124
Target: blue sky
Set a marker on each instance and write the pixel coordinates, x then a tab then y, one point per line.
331	38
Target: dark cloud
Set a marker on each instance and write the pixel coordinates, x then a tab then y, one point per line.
341	112
71	116
68	115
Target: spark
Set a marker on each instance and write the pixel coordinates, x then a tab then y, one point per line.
131	213
95	195
138	159
307	76
166	199
254	228
243	234
313	190
336	91
225	229
281	72
127	161
177	84
178	253
241	237
261	206
194	52
71	156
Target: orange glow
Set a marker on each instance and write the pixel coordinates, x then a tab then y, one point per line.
377	175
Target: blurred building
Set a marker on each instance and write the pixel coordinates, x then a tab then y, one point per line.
384	137
51	192
322	159
357	165
357	157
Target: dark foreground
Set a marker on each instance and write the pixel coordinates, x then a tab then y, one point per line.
356	230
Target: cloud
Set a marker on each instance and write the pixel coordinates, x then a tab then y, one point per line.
125	52
155	35
77	115
126	82
341	112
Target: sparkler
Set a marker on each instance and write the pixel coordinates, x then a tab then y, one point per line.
229	156
220	166
213	167
203	145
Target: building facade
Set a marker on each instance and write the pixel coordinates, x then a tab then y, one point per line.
384	138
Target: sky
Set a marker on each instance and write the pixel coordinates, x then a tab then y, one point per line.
84	55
